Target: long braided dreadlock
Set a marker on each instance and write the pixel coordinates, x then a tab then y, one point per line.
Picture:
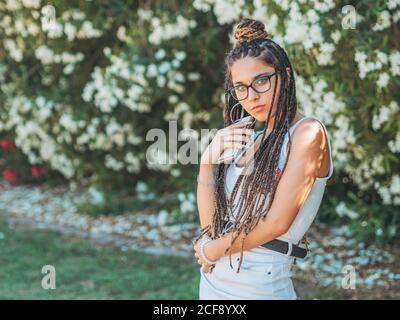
252	41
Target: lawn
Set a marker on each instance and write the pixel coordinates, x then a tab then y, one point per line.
84	271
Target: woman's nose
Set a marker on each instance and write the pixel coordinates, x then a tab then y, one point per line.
252	93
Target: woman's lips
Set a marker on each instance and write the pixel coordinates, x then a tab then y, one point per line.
257	108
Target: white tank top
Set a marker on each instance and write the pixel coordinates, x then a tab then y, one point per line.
308	211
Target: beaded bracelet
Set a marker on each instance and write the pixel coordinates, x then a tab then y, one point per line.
203	255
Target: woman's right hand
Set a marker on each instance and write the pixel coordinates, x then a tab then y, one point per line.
235	136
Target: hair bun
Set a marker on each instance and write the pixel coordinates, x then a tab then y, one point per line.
249	29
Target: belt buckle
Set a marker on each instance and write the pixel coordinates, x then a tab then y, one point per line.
290	249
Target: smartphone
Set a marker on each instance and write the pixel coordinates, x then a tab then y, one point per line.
230	154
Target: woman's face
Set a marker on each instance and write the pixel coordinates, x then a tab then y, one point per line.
245	71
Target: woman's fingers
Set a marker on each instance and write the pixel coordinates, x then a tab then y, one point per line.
236	131
239	124
206	268
233	145
237	138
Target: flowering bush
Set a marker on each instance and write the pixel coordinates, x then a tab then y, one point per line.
82	83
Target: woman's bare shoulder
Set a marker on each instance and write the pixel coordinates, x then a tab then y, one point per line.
310	141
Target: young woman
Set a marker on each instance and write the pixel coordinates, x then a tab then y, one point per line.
255	211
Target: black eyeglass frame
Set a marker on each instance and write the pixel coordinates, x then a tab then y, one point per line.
232	89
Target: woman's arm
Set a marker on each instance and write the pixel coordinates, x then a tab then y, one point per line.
304	163
233	136
205	193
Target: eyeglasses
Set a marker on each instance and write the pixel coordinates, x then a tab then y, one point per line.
260	85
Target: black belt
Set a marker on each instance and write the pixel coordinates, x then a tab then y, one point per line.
277	245
283	247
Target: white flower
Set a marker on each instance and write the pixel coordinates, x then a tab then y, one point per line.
193	76
119	139
175	172
228	11
382	57
133	161
336	36
87	31
187	206
160	54
70	31
296	32
325	56
383	80
107	51
161	81
201	5
144	15
385	112
172	99
96	196
35	4
395	185
312	16
141	187
13	49
392	4
394	146
315	34
68	69
152	71
360	56
44	54
121	34
383	21
376	164
164	67
54	30
67	122
113	163
180	55
394	59
162	217
342	210
47	150
179	29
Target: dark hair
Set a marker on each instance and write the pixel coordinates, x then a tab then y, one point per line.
252	41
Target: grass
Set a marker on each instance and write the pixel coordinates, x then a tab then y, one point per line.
84	271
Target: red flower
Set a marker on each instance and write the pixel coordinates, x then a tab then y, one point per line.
6	144
10	175
278	172
35	171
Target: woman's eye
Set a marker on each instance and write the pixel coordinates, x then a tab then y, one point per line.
261	80
240	88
